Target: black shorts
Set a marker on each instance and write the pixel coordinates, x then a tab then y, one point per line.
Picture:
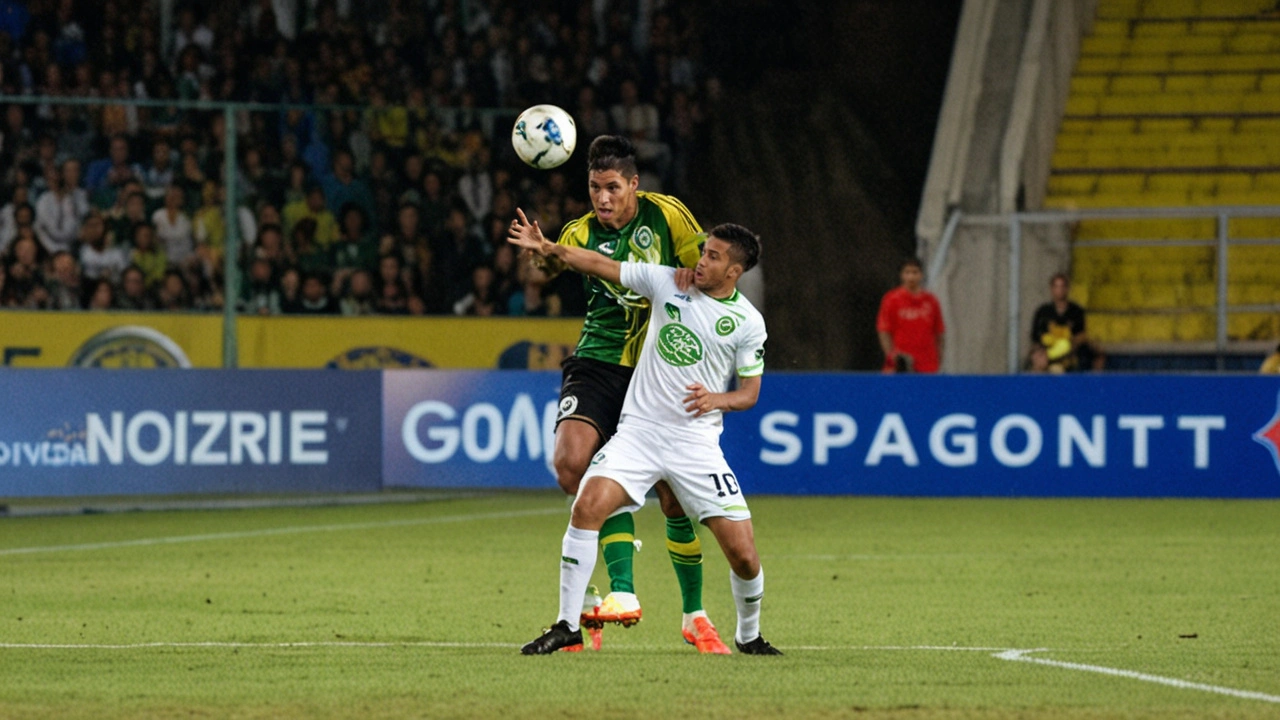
592	391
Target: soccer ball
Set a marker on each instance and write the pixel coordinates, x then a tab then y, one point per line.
544	136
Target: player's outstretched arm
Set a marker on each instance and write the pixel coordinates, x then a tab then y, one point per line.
700	401
527	235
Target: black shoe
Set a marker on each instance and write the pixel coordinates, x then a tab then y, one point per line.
759	646
554	638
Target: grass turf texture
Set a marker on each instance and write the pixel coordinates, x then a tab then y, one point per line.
1118	584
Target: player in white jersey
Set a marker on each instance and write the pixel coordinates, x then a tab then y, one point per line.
698	343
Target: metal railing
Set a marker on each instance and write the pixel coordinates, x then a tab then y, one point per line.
1015	223
230	111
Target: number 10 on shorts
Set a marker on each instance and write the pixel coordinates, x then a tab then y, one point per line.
729	486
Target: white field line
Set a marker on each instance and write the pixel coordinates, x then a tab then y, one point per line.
1013	655
291	530
1022	656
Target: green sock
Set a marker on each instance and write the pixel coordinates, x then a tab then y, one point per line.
617	536
685	550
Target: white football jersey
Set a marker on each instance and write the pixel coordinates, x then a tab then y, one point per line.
692	338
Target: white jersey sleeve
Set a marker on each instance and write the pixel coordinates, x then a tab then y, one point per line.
646	278
750	354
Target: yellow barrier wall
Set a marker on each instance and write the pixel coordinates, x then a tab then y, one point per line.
93	339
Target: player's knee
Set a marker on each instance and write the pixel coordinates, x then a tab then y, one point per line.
569	472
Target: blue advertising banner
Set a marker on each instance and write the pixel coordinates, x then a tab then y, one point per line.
1088	436
469	428
90	432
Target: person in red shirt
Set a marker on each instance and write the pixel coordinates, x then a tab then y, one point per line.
910	324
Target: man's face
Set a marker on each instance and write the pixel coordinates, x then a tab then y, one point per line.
119	151
315	201
613	197
133	284
1060	289
911	277
313	289
714	265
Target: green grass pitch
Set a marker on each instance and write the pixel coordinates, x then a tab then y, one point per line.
886	608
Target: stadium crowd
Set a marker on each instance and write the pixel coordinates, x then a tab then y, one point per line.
390	193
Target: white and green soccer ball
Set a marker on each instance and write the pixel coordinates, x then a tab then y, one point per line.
544	136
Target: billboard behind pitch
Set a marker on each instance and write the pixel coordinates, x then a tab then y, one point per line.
469	428
1090	436
78	432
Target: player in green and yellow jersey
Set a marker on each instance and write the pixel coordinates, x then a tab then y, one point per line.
625	224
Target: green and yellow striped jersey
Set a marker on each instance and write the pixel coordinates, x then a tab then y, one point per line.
663	232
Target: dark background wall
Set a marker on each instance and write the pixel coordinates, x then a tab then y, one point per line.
820	142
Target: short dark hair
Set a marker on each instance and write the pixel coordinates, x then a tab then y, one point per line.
911	262
1059	276
612	152
744	245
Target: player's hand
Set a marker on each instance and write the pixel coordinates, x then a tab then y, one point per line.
699	401
684	279
525	234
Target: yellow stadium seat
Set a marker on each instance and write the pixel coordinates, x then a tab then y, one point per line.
1252	326
1072	184
1165	125
1214	27
1144	63
1110	27
1263	126
1233	82
1269	82
1267	180
1098	64
1111	297
1082	105
1203	295
1089	84
1260	103
1103	45
1186	83
1153	328
1195	327
1170	9
1133	84
1216	126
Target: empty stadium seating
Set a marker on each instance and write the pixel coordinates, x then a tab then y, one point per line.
1174	103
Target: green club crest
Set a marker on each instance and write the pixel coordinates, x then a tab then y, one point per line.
726	325
678	345
643	239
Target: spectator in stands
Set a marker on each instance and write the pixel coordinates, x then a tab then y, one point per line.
161	173
271	247
174	294
393	299
106	176
315	297
290	291
640	122
129	210
1059	342
17	213
324	232
259	295
910	325
480	298
457	252
57	221
64	283
102	295
355	248
133	291
174	230
25	284
342	186
148	255
359	297
536	297
1271	365
98	258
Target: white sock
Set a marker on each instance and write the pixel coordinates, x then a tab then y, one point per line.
577	561
686	622
747	595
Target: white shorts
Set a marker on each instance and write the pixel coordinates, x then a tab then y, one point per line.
640	455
